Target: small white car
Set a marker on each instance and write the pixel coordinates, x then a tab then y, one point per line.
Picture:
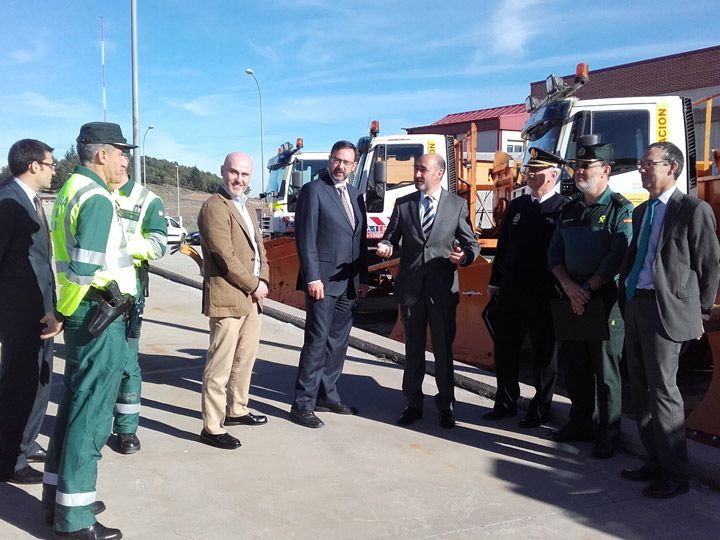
176	233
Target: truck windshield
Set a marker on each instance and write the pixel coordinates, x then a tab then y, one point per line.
542	129
275	181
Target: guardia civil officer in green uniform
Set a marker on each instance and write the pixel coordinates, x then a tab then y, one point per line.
585	253
91	260
143	218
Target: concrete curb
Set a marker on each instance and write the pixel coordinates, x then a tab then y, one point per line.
704	459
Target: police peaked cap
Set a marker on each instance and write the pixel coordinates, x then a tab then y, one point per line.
103	133
590	152
542	159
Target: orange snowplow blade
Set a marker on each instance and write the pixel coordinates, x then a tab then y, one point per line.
473	343
284	265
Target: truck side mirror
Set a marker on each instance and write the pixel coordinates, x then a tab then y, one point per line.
296	179
380	172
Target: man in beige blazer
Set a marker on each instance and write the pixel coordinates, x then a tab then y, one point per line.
235	281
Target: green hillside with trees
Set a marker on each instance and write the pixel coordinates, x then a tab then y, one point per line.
159	171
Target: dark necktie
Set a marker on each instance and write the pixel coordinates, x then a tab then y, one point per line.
644	240
342	191
41	216
428	217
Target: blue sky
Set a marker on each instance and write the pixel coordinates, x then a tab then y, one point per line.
325	67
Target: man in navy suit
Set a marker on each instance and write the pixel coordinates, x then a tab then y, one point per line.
669	278
434	230
27	311
330	225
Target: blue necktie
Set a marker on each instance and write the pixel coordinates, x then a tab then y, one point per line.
634	275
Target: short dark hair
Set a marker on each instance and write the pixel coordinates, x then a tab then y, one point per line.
24	152
670	152
341	145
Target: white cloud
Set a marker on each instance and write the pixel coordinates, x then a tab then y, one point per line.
33	52
39	105
208	105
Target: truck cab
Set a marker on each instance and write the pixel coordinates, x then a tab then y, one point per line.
630	124
289	170
386	172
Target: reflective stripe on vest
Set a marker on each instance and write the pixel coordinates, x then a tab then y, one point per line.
133	209
116	263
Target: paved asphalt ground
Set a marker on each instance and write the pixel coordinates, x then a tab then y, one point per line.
359	477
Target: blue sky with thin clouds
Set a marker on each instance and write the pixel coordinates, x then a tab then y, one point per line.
325	67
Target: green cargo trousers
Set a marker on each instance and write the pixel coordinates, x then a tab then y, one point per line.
127	405
93	369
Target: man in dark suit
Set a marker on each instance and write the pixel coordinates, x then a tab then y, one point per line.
522	286
669	279
27	311
433	228
330	228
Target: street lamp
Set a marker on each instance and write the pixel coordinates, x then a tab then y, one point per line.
177	178
250	72
143	150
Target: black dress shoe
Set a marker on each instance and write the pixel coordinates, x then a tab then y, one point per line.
447	419
666	488
98	507
530	422
38	456
647	473
306	418
408	416
337	408
570	434
128	443
95	532
248	419
499	413
223	440
26	475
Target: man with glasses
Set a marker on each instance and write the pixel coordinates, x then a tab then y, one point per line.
522	287
585	253
330	228
96	276
669	279
27	311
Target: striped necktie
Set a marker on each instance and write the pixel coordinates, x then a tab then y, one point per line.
428	217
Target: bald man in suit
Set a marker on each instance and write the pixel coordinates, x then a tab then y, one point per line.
433	228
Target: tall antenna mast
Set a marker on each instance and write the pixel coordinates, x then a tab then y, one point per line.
102	61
